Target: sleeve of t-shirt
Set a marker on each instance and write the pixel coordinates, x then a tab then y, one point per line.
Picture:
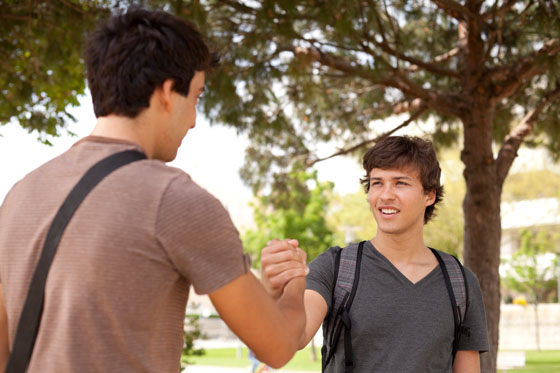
199	236
475	332
321	272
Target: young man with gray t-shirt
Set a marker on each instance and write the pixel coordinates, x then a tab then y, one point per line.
401	316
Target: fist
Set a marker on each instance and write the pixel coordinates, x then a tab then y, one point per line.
282	261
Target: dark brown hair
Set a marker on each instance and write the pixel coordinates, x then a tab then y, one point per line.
402	152
132	53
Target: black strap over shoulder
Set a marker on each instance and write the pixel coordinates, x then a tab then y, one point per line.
456	283
346	279
30	318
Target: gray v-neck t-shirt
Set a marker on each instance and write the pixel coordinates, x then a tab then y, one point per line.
398	326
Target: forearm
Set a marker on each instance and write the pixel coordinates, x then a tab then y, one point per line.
291	306
467	362
270	328
287	326
4	345
315	312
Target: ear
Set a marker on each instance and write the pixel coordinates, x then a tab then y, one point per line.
430	197
164	95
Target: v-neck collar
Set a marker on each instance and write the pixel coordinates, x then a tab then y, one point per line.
398	272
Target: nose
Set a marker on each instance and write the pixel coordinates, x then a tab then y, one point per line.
387	193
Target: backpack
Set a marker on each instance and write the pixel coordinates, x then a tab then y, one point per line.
346	278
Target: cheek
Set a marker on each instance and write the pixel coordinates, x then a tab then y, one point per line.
371	200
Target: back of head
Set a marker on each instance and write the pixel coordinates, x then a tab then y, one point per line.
132	53
401	152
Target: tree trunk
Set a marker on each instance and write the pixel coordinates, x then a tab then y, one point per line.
482	216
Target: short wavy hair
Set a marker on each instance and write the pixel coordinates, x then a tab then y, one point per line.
401	152
133	52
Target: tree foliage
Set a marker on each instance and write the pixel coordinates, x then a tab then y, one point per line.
301	215
191	333
446	230
350	218
532	185
529	272
42	70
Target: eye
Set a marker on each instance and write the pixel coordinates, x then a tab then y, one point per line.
401	183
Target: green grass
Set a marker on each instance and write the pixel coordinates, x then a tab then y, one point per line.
536	361
541	362
227	357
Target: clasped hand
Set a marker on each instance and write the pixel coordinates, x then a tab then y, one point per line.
281	262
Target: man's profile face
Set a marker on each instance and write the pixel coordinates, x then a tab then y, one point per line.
398	200
181	118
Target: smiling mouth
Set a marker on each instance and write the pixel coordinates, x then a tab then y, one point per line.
389	211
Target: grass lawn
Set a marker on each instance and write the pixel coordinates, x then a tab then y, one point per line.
227	357
536	361
541	362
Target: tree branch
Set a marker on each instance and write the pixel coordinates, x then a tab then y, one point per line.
327	59
438	59
74	7
444	104
508	78
412	118
454	9
239	6
515	138
431	67
499	12
395	78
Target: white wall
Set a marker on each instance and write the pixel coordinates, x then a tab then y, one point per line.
517	327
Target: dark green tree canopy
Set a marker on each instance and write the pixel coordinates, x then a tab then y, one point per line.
296	73
42	70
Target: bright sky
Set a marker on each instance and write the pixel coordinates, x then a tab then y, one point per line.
212	155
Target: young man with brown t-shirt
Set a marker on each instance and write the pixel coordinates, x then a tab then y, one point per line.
117	289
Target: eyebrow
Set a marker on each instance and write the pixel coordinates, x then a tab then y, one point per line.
393	178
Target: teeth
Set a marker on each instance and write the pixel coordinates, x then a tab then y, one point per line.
389	211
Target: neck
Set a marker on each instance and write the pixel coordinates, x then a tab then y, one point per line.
123	128
400	247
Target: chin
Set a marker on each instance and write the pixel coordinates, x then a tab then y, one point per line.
165	157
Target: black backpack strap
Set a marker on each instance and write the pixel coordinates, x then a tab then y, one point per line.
456	283
30	318
327	328
347	276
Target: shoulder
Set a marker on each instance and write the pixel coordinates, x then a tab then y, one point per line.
181	189
325	259
471	277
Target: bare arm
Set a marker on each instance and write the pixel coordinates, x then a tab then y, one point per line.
315	312
279	265
4	347
271	328
467	362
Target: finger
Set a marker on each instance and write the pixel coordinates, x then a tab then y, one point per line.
268	258
273	241
276	269
276	245
301	255
293	242
282	279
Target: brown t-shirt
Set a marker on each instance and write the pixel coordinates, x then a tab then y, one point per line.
117	289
